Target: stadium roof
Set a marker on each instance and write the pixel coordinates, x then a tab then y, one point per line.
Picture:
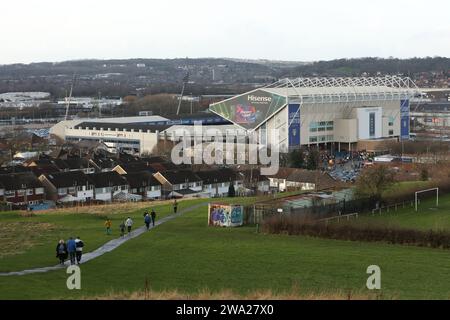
336	90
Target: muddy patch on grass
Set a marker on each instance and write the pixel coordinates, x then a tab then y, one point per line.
17	237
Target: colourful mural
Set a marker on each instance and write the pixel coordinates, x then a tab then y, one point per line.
224	215
251	109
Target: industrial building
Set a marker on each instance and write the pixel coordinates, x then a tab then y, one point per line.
134	134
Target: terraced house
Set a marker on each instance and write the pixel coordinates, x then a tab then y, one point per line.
21	189
109	186
72	186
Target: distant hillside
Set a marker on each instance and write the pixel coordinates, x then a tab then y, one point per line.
272	63
372	67
132	76
206	75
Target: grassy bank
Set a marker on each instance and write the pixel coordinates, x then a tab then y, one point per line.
187	256
29	241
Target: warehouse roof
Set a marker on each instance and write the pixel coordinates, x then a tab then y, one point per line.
121	126
138	119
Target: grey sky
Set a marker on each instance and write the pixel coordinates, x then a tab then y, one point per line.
56	30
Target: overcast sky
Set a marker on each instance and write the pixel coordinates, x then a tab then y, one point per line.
57	30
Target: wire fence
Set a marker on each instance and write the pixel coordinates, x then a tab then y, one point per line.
339	210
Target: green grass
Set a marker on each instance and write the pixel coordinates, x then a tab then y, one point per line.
405	186
187	255
29	242
427	217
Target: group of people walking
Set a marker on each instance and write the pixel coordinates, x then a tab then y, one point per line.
149	218
73	249
127	224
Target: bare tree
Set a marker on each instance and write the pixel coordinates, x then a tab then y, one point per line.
373	182
163	148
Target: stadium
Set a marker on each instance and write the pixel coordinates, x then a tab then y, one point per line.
332	113
335	113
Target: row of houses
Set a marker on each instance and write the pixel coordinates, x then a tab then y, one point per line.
24	188
79	180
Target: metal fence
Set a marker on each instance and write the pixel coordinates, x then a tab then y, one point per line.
393	207
345	217
256	213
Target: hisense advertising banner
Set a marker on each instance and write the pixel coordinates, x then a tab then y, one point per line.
251	109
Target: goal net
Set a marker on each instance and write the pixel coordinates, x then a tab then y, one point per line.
418	194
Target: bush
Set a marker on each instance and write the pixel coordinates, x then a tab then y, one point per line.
424	174
293	225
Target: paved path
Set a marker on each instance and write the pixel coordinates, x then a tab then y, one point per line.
107	247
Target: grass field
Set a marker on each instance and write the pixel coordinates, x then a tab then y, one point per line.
30	241
188	256
427	217
408	186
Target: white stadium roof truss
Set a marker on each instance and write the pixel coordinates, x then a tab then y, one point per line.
346	90
353	89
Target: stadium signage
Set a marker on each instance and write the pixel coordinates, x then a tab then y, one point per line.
113	135
250	110
254	98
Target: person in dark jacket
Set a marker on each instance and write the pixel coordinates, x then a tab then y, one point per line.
79	249
122	229
61	251
153	214
147	221
71	249
175	206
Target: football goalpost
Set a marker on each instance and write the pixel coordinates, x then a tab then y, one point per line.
427	190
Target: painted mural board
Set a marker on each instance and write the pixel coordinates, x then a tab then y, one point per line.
225	215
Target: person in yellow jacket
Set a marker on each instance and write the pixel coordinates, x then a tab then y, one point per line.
108	225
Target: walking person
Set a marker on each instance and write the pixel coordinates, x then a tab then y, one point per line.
61	251
71	249
128	224
108	225
147	221
122	229
153	214
79	244
175	206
